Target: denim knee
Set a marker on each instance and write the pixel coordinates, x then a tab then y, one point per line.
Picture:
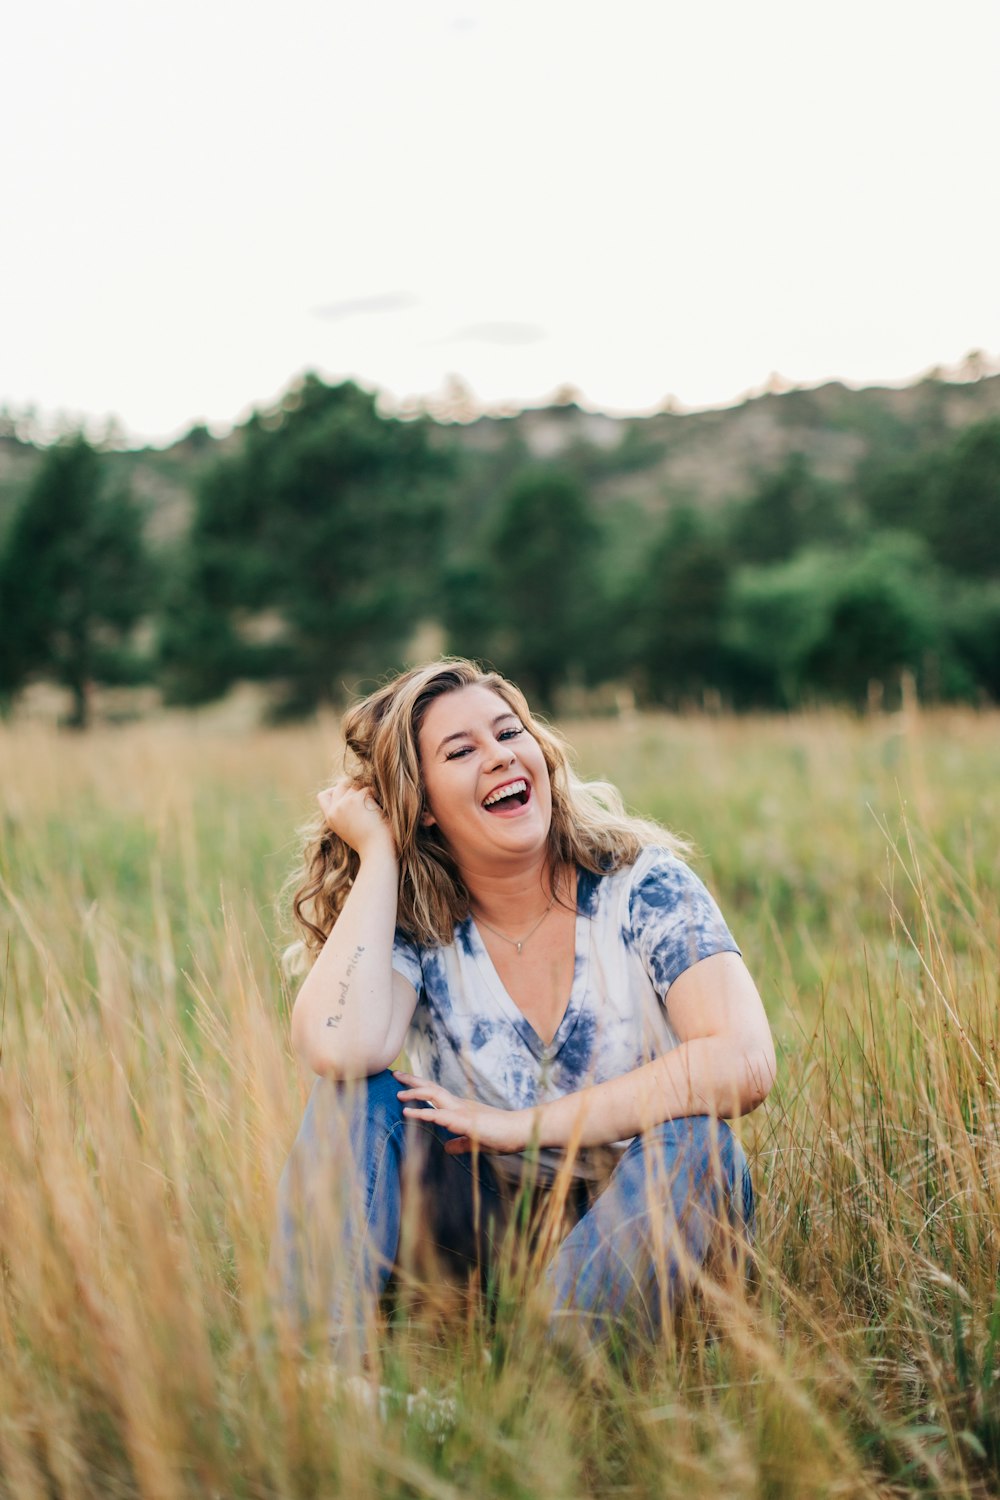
698	1149
366	1106
375	1097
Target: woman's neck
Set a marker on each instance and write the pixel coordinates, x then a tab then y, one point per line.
508	891
513	897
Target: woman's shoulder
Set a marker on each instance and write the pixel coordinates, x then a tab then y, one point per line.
653	861
668	901
615	888
659	883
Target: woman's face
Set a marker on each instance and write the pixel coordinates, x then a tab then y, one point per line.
485	778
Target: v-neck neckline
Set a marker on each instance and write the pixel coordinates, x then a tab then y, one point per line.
544	1051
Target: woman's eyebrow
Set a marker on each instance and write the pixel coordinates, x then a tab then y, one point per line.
466	734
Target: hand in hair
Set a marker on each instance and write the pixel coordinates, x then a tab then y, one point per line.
352	813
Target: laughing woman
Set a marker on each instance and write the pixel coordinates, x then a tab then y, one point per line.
565	991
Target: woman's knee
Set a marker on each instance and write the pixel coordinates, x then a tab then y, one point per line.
703	1152
699	1138
355	1107
348	1131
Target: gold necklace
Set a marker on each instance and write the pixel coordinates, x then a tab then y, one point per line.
517	943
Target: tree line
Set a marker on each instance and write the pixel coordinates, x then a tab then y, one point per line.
328	532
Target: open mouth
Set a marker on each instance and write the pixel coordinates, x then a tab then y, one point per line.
508	798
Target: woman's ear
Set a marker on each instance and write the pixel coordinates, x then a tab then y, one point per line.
427	818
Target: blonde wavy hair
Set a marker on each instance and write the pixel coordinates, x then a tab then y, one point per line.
590	826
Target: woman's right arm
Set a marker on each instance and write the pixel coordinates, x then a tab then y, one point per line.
353	1010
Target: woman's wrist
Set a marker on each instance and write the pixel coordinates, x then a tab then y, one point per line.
379	851
543	1124
562	1123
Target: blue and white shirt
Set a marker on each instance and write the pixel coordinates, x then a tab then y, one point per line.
636	931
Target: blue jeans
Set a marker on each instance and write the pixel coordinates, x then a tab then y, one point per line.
623	1263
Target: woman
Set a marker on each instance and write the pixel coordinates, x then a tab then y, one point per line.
568	997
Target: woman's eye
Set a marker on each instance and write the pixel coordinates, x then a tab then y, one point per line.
504	734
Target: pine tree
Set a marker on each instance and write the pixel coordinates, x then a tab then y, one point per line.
543	581
313	552
73	579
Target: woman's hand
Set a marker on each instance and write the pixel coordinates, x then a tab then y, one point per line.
474	1125
352	813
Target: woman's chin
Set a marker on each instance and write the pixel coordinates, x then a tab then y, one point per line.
523	837
521	832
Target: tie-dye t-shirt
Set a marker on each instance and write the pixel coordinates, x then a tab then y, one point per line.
636	931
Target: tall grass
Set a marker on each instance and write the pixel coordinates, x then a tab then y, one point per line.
148	1099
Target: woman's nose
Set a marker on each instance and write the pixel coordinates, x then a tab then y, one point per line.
503	759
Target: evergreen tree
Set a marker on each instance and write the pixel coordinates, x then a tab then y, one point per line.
900	497
313	551
790	509
74	579
543	581
468	608
680	605
964	527
949	497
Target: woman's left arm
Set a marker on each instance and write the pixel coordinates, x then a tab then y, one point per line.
724	1066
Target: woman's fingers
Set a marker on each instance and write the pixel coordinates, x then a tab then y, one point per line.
331	797
448	1111
444	1106
352	812
445	1118
422	1088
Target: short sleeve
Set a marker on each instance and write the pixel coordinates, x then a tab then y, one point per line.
406	959
673	921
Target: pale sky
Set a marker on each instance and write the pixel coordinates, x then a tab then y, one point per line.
202	198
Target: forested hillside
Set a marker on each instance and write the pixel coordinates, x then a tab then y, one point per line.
806	544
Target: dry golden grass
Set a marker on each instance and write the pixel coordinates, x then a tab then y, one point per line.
148	1098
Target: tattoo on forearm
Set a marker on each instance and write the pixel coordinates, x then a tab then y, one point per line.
345	985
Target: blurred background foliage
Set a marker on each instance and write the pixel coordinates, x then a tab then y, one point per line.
820	545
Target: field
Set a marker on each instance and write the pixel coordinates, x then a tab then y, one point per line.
148	1098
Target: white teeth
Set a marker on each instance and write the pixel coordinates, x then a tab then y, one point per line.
505	791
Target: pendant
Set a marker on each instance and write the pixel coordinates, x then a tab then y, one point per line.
519	946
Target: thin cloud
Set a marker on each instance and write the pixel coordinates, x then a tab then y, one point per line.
359	307
495	333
